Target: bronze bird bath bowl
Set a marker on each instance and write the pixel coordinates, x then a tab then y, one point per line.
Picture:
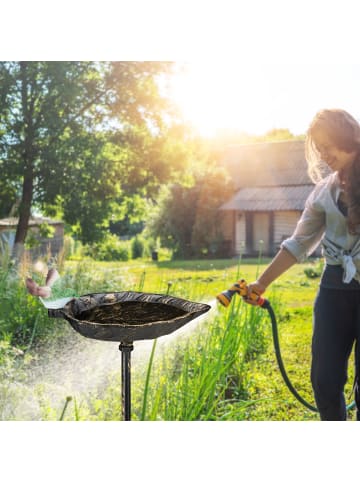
125	317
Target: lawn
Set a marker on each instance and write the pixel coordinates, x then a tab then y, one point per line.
220	368
292	297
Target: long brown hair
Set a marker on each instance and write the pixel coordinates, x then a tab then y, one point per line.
345	133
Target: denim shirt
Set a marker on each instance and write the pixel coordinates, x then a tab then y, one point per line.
323	222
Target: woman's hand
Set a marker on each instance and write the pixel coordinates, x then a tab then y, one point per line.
281	263
256	288
42	291
51	277
36	290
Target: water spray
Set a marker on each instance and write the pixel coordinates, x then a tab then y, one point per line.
125	317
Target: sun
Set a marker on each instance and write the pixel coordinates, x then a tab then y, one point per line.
217	96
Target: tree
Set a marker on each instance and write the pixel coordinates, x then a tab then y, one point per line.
187	218
173	219
226	137
280	135
215	188
69	133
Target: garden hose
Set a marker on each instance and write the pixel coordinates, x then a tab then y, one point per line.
241	289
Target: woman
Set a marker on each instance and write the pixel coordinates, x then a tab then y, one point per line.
332	216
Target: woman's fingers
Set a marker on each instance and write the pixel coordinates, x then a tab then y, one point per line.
51	277
36	290
255	288
31	286
44	291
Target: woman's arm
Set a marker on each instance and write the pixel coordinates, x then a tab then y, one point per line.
281	263
306	236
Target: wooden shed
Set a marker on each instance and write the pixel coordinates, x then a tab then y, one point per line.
272	185
44	245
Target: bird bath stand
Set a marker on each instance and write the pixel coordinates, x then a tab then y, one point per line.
125	317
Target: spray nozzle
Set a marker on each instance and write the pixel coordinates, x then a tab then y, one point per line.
241	289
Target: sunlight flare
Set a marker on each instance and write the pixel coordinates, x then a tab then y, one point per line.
215	96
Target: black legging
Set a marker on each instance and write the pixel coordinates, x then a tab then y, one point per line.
336	328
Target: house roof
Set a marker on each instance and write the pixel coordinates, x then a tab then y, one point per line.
267	164
34	221
270	198
269	176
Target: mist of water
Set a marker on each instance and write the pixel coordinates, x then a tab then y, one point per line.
79	368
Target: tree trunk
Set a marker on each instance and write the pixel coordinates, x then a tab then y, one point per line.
28	162
24	215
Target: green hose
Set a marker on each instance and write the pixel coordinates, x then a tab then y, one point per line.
275	334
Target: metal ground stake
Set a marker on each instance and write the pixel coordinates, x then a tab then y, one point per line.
126	349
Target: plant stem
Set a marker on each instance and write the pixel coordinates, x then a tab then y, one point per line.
67	401
148	379
33	333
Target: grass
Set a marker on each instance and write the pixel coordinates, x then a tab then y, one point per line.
199	377
215	376
225	370
200	278
201	385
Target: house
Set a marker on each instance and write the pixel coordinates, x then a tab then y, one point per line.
42	245
271	186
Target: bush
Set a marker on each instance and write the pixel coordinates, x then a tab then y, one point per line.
121	252
138	247
69	246
112	249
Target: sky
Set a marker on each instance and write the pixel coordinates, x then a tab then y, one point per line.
255	98
254	65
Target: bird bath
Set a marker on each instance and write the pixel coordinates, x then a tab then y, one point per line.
125	317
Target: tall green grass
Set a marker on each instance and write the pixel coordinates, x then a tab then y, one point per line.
202	374
211	378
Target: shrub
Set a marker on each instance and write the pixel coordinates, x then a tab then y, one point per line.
121	252
111	249
138	247
69	246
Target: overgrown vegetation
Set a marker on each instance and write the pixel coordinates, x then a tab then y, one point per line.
204	377
198	233
222	368
86	142
101	146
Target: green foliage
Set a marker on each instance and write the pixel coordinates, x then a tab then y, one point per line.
8	198
279	135
315	270
128	216
138	247
21	317
200	380
77	137
215	188
223	369
36	235
232	136
187	219
69	246
110	249
46	231
40	105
